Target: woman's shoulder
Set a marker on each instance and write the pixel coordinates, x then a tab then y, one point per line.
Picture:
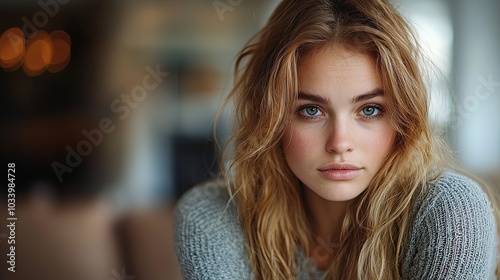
453	197
452	231
206	206
208	238
204	200
455	190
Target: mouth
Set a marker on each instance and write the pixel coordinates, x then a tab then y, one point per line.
340	171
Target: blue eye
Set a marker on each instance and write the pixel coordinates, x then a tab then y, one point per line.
310	111
371	111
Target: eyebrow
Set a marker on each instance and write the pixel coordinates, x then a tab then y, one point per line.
312	97
320	99
369	95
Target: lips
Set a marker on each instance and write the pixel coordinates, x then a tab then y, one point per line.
340	171
339	166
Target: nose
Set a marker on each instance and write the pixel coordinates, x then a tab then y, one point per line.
339	139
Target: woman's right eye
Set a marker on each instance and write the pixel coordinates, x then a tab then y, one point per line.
310	111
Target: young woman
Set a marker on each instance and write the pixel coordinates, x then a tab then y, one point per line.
335	171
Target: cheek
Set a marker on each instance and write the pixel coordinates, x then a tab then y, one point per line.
381	144
298	144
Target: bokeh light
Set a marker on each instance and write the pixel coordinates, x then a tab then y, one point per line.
61	44
38	54
12	49
43	51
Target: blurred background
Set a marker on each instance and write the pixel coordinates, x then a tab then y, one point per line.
107	107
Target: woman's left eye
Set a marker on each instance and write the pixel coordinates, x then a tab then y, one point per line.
371	111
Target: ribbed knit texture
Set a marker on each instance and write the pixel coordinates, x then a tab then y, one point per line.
453	234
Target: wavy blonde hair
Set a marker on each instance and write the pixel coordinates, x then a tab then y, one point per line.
268	194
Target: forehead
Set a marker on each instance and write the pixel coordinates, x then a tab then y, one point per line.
335	68
337	57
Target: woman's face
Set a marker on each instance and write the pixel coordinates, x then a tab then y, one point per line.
340	133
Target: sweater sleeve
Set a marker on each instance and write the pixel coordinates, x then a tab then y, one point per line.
454	233
208	239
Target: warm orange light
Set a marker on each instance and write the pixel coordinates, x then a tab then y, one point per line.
38	54
41	52
61	43
12	49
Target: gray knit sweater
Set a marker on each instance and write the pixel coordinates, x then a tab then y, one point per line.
453	235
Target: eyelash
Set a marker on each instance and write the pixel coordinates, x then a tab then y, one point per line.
299	111
376	106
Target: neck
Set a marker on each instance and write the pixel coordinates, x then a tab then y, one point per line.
326	218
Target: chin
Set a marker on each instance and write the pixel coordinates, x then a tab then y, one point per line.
339	192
